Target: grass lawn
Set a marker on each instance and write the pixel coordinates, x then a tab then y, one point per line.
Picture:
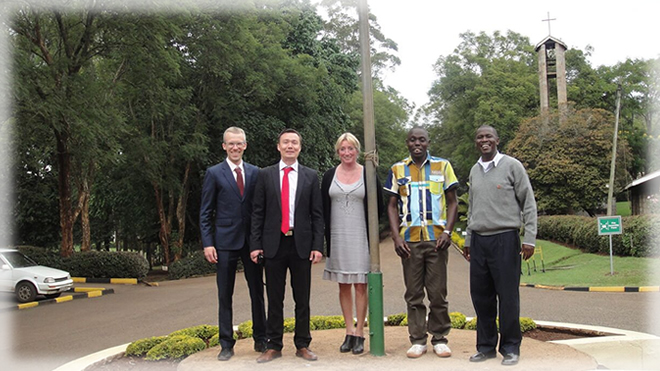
623	208
569	267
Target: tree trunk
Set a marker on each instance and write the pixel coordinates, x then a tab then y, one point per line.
165	226
181	212
84	219
64	193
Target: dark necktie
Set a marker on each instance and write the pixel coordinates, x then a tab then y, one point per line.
285	200
239	179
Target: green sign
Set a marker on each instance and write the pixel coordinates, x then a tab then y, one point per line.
610	225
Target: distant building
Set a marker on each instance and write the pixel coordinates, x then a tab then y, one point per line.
645	194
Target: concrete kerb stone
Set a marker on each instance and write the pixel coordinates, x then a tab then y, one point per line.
595	288
119	281
76	293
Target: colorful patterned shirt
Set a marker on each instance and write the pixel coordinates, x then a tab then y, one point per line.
422	207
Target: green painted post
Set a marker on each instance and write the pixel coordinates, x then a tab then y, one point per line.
376	325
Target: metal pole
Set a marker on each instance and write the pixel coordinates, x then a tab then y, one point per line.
610	191
375	279
611	258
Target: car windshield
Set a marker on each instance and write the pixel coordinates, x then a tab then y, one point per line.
18	260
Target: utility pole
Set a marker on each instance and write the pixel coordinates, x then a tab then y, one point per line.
610	192
375	276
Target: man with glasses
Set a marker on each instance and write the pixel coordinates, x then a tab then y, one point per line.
422	210
224	219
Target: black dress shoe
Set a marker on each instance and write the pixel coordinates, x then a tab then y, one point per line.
225	354
346	347
358	347
510	359
480	357
260	346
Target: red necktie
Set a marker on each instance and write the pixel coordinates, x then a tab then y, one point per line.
239	179
285	200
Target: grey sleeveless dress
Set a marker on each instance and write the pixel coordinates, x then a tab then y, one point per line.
349	258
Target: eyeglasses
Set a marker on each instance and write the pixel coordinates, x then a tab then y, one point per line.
234	144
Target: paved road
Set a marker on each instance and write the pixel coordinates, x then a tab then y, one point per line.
48	336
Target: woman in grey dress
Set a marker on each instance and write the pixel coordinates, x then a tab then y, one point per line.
345	210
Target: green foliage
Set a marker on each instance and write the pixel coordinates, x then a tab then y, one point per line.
92	264
526	324
395	319
107	264
141	347
568	160
639	232
214	341
290	324
245	330
194	264
458	320
204	332
623	208
327	322
175	347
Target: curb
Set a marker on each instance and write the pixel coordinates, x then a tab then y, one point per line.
78	293
123	281
595	288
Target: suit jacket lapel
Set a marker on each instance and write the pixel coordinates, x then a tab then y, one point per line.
275	183
302	180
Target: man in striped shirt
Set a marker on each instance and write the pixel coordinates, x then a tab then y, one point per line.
422	210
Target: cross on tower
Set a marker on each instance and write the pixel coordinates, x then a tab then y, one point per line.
548	20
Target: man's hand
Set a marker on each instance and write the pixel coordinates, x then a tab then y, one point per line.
466	252
443	242
210	254
254	256
315	256
401	247
527	251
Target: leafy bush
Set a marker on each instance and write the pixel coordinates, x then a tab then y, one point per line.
457	320
204	332
327	322
178	346
639	232
43	256
107	264
526	324
141	347
92	264
214	341
395	319
194	264
245	330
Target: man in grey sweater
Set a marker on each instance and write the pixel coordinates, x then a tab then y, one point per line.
501	201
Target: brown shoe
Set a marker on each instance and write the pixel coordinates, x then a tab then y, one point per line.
306	354
269	355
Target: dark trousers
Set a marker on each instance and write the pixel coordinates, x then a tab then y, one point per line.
495	280
287	259
225	278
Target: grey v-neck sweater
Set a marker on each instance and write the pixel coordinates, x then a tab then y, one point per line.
501	200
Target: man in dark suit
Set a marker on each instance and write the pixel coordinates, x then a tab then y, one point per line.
287	230
224	220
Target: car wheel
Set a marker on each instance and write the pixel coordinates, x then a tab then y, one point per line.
25	292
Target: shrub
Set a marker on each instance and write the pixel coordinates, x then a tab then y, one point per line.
178	346
245	330
107	264
43	256
214	341
526	324
141	347
194	264
204	332
395	319
327	322
639	232
457	320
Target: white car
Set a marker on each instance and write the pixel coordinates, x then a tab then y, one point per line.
22	275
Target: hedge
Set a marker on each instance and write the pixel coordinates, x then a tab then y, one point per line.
92	264
639	233
194	264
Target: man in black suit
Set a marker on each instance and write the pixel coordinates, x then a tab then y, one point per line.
224	220
287	230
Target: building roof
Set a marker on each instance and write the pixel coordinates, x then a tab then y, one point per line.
643	179
550	39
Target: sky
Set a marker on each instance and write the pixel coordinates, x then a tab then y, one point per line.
427	29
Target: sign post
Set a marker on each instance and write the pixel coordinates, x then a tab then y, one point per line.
609	225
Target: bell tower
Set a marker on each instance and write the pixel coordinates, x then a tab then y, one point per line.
552	65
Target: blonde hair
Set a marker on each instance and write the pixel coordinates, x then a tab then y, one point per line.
234	130
350	138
